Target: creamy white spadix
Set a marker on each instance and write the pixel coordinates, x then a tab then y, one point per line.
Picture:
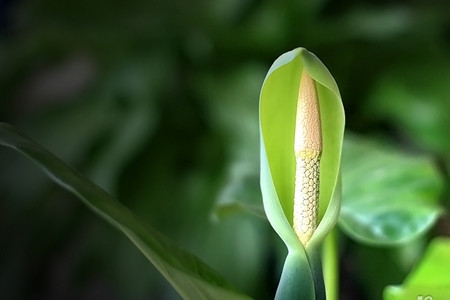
308	150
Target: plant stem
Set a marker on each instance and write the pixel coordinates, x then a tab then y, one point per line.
330	265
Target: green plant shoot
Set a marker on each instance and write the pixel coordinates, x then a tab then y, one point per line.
301	129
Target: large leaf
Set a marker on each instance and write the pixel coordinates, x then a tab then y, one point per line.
187	274
429	280
301	278
389	197
413	97
234	115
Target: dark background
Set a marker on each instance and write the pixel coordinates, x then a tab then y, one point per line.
156	101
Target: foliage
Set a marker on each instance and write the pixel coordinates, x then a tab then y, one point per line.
187	274
379	181
429	278
157	102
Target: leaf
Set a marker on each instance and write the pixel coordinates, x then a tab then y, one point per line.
396	260
429	280
188	275
234	115
238	196
389	197
278	105
413	97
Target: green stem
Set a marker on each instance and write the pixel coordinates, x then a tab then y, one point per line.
330	265
296	279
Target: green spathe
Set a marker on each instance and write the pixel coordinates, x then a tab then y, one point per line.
278	103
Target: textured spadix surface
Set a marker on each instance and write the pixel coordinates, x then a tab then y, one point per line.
307	149
301	278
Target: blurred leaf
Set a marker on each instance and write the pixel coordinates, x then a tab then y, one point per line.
375	23
129	135
187	274
234	115
234	109
429	280
389	197
128	96
278	106
239	196
414	98
230	100
244	261
398	259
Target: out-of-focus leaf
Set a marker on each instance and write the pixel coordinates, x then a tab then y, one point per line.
414	98
187	274
234	115
230	100
429	280
301	277
128	95
389	197
399	258
239	196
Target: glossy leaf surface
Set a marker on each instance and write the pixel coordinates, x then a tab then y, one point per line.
389	197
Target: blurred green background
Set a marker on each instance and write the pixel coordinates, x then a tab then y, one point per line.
157	102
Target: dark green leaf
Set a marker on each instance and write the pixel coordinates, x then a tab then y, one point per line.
187	274
429	280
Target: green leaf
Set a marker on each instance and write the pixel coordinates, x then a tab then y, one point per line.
278	105
399	260
389	197
188	275
429	280
413	97
238	196
237	121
